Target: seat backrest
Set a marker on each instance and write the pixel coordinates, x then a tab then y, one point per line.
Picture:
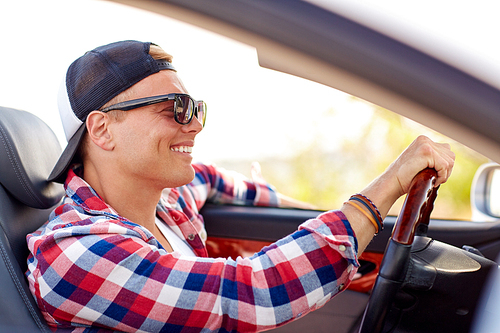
28	151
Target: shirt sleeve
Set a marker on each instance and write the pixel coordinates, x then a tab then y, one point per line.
122	282
217	185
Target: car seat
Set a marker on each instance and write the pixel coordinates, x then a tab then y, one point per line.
28	151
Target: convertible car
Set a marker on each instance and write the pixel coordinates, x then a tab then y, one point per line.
420	274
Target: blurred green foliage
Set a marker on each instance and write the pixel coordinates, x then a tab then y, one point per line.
326	177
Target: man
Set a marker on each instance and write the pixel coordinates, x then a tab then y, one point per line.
125	250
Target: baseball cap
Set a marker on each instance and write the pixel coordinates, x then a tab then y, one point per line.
93	80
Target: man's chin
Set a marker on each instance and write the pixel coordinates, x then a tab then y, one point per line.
184	178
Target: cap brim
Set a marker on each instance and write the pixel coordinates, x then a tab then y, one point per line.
60	170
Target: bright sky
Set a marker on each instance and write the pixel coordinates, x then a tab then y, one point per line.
40	39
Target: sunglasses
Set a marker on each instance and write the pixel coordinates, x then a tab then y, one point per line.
184	107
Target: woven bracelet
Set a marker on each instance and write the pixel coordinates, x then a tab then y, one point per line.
368	216
371	208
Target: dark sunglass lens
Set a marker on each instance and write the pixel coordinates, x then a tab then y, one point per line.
182	109
202	111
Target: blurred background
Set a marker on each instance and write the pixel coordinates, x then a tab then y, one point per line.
313	143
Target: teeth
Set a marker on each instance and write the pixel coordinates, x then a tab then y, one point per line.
183	149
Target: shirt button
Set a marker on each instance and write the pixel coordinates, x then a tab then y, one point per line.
341	286
342	248
191	237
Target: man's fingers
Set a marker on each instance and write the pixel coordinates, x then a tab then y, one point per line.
444	162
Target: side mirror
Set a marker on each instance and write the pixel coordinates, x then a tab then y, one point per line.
485	194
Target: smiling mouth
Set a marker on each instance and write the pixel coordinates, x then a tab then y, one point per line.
182	149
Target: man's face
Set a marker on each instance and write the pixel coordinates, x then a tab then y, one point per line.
151	146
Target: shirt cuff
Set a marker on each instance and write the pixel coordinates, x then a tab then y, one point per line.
336	230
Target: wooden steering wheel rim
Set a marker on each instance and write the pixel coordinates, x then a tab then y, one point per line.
413	219
417	207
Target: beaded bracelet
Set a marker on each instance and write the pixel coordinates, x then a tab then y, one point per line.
371	208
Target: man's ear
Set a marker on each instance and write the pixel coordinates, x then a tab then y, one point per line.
98	130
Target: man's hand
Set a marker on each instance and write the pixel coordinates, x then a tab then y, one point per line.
421	154
395	181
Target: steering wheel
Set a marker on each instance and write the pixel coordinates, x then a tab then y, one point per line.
413	219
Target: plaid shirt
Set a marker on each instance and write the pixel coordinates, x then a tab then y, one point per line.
90	268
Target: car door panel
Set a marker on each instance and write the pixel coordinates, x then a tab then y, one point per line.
269	224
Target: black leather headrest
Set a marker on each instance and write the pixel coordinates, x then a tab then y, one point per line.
28	151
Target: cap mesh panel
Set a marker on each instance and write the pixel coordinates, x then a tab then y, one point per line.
106	71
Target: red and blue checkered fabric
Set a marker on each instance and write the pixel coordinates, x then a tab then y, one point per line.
92	270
